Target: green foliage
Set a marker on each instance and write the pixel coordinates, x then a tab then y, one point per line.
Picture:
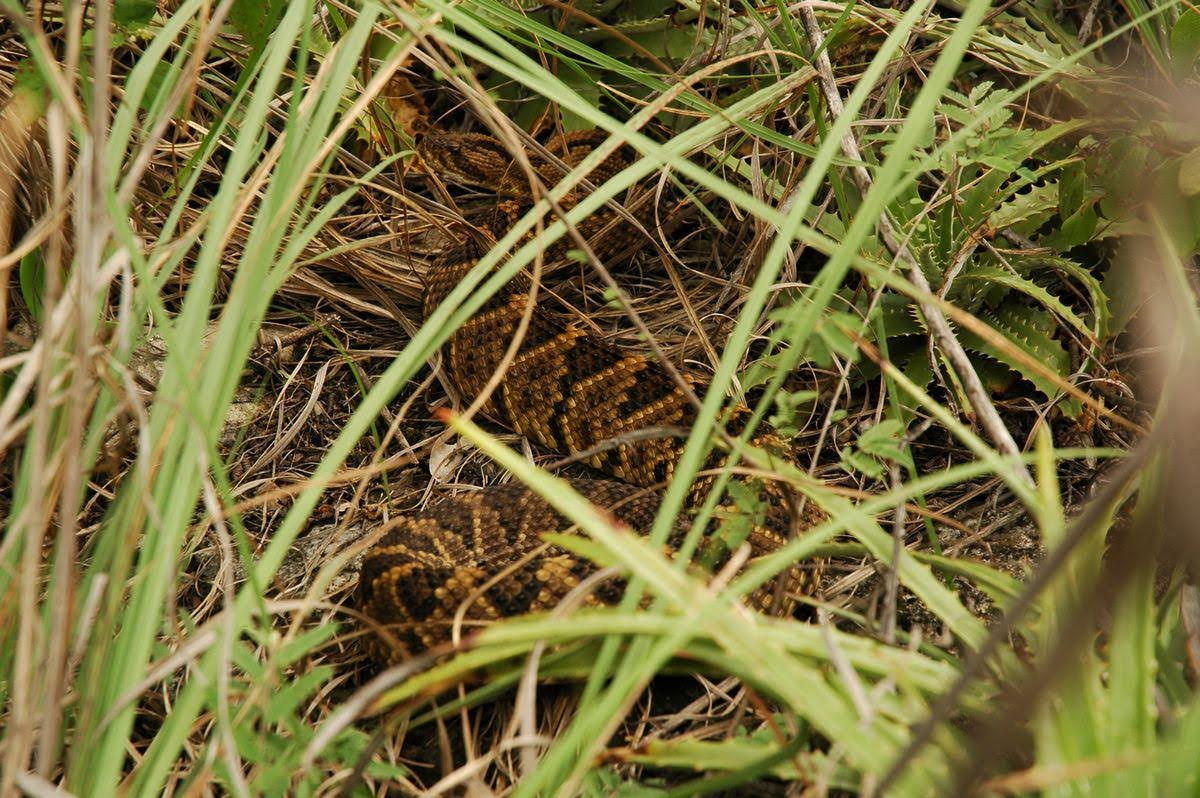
30	83
1005	178
875	449
747	511
790	415
1185	42
255	20
133	14
606	781
31	277
1011	213
270	710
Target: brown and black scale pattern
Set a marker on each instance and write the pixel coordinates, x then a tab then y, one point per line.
417	576
569	391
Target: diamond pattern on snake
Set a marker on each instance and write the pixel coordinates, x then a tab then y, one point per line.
568	391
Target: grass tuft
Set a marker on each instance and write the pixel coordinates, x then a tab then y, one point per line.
948	249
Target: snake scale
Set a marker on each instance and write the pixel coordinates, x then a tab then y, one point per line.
570	392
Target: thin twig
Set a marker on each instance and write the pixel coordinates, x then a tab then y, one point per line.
892	583
985	411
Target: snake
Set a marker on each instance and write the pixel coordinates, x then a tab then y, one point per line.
481	557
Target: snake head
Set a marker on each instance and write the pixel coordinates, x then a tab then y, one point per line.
469	159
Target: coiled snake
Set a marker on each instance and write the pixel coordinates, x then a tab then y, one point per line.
568	391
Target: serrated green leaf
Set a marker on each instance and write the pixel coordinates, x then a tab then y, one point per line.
1026	212
979	201
899	317
1128	292
1031	329
1099	297
998	276
1022	40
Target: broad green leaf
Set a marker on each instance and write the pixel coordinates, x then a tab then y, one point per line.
1189	173
1185	41
255	20
883	439
133	14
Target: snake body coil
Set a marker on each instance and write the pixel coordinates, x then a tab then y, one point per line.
565	389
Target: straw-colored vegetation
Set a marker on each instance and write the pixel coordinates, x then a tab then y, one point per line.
948	248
